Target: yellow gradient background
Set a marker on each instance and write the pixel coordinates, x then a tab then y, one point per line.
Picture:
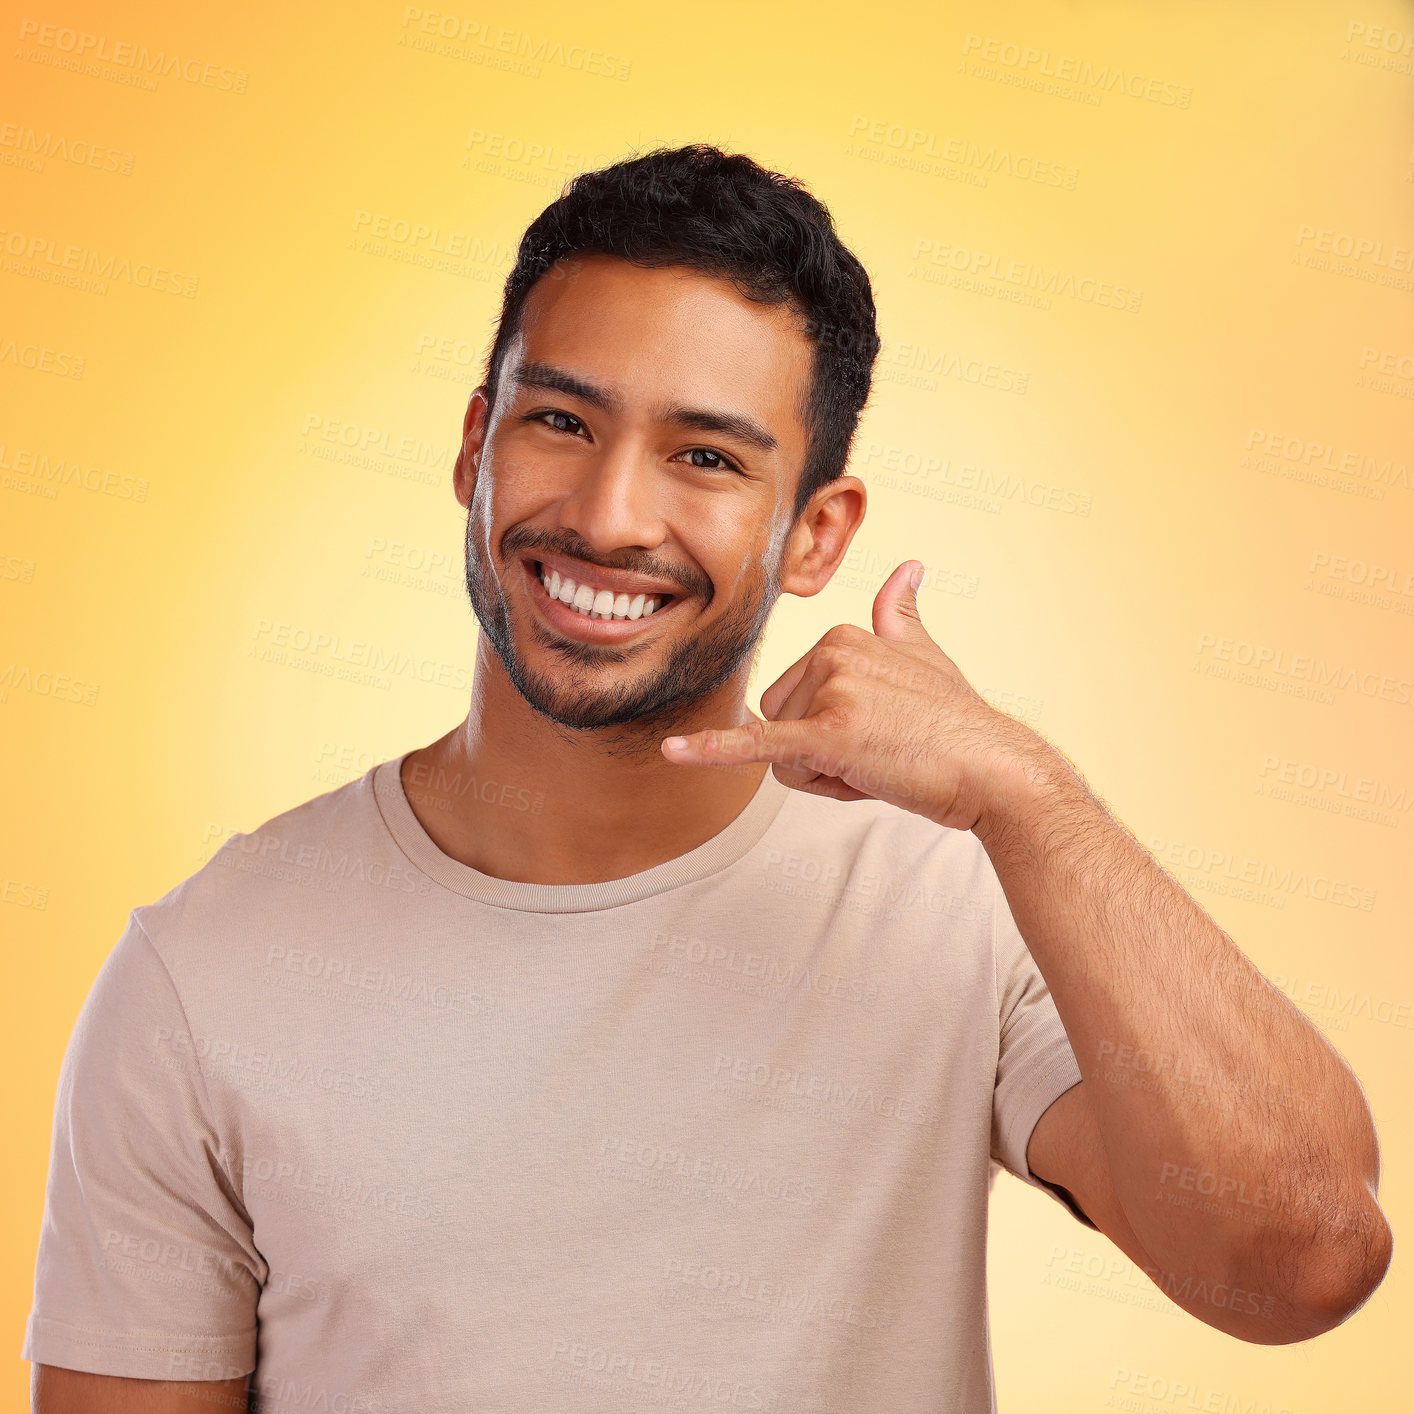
1122	508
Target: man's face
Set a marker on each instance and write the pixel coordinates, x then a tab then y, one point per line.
630	434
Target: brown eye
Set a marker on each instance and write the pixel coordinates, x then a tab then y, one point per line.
720	464
568	416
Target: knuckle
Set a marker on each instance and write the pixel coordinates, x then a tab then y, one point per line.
844	635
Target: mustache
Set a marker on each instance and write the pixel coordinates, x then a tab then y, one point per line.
515	543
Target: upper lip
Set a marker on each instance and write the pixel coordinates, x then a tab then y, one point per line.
581	572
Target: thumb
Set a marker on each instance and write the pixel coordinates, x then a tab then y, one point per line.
896	613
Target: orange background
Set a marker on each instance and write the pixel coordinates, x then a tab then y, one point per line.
1144	410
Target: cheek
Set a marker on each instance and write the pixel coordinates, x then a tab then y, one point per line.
730	556
515	492
517	479
743	575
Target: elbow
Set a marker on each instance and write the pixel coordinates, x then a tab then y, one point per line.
1365	1245
1340	1279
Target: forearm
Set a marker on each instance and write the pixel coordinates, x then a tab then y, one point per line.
1240	1145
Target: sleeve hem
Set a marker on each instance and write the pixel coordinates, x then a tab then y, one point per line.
1052	1084
145	1355
1057	1072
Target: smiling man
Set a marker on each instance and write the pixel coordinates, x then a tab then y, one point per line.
622	574
624	1047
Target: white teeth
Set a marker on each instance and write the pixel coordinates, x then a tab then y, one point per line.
603	604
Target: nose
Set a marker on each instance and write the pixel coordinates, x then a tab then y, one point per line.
615	503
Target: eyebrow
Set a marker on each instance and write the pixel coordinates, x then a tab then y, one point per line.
546	375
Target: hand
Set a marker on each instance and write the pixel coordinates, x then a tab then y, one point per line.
885	716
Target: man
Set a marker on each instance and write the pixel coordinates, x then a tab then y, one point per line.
624	1046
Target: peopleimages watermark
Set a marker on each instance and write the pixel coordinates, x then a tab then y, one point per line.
1311	451
1333	789
64	47
358	980
1021	281
829	1090
450	34
1077	1263
1303	669
919	365
1262	873
55	471
1127	1385
921	150
42	682
44	257
530	160
1090	80
22	894
769	1297
1356	257
1379	47
636	1380
232	1061
41	358
27	147
318	650
739	968
1140	1068
715	1177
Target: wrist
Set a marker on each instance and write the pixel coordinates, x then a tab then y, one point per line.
1036	786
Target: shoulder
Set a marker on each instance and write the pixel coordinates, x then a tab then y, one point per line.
295	864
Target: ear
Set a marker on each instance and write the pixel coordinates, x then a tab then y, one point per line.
468	461
820	539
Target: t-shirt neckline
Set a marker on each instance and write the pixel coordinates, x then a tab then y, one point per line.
724	848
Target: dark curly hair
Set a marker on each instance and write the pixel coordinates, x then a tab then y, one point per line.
722	214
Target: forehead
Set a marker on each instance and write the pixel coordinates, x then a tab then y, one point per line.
667	333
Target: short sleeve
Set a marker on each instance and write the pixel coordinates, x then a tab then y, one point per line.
1035	1062
147	1266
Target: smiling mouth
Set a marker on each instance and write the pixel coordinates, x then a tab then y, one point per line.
596	604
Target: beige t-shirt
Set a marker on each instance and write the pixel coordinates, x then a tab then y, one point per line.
399	1136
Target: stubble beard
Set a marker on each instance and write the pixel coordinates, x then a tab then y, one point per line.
643	706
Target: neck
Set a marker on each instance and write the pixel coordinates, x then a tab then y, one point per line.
519	797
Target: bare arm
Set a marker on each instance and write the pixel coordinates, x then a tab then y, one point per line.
55	1390
1218	1123
1214	1099
1066	1149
